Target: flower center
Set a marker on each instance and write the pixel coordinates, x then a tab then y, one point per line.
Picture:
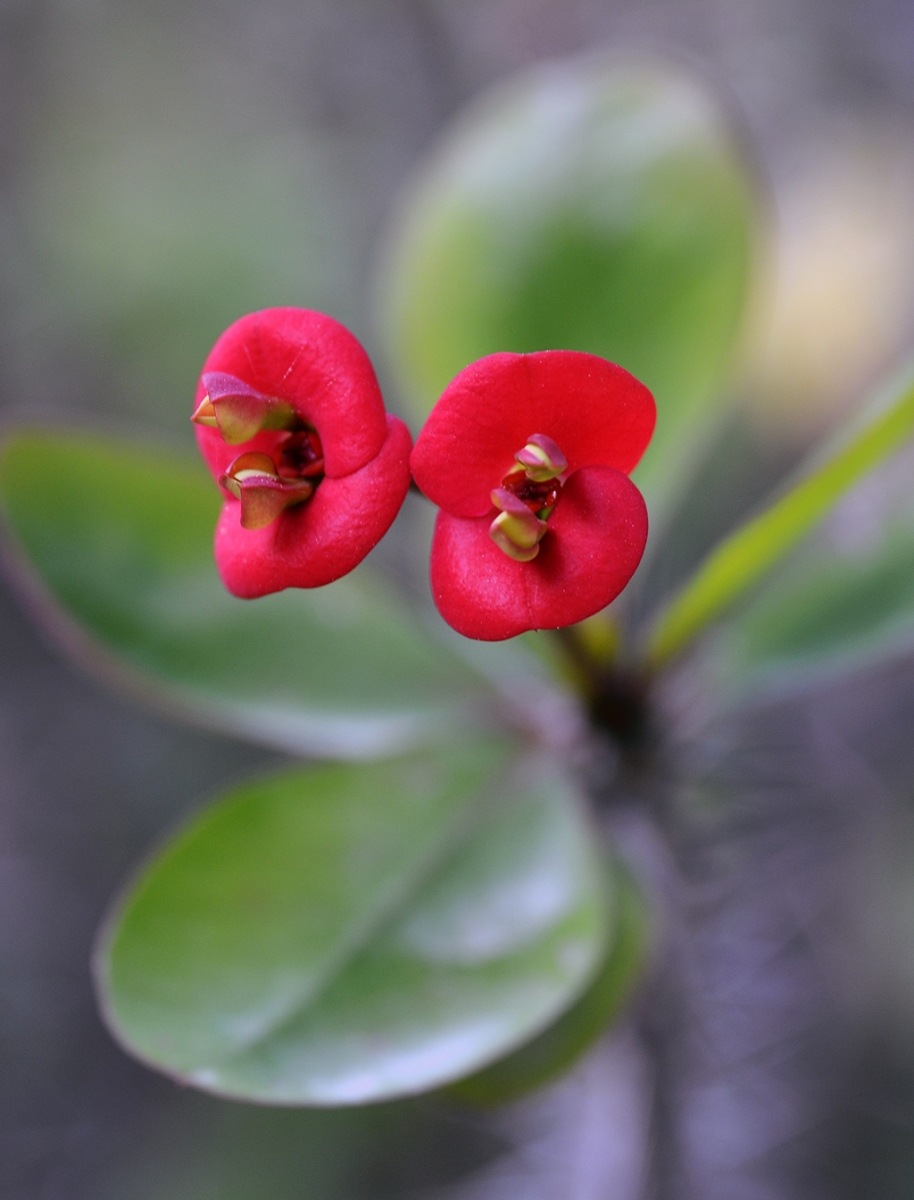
527	496
540	498
301	455
266	484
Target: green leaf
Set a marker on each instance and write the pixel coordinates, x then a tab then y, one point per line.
357	933
745	556
114	545
547	1056
600	204
155	217
843	601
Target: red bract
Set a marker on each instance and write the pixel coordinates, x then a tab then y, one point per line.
290	420
527	455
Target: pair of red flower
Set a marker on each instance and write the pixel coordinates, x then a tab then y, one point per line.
527	456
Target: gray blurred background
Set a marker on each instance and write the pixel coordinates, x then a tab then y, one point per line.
165	168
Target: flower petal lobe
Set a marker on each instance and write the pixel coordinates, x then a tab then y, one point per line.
595	541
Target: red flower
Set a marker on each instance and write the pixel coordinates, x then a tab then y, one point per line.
527	456
292	426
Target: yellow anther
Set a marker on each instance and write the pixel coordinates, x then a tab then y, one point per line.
541	458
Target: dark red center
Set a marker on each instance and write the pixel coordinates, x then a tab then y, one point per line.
540	498
299	455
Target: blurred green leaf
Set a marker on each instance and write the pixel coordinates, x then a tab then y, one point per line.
600	204
163	198
357	933
114	545
547	1056
746	555
844	600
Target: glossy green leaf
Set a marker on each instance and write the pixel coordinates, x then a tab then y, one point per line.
843	601
600	204
356	933
547	1056
114	545
746	555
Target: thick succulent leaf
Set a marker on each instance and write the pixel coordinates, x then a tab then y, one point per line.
744	557
843	601
354	933
600	204
554	1050
114	544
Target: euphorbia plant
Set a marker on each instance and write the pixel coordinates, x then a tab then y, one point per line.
439	904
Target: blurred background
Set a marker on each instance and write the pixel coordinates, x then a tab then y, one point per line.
165	168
